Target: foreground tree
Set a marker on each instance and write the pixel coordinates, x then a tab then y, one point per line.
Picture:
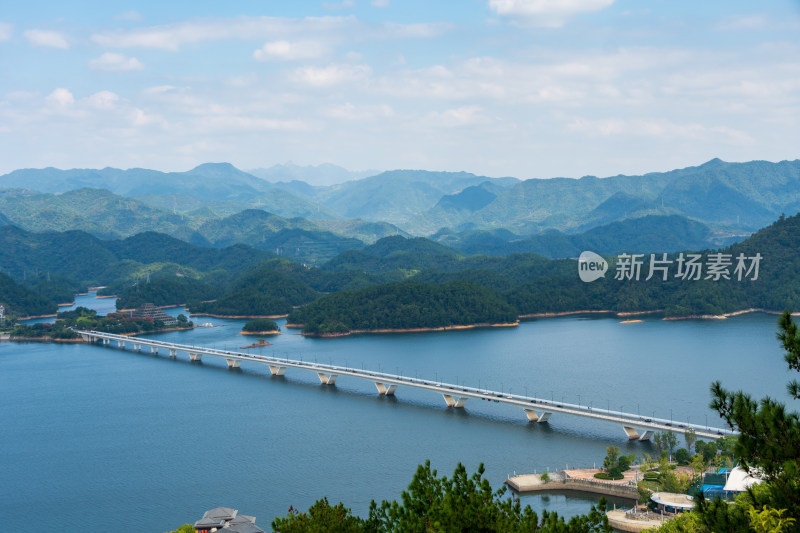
691	438
462	503
322	517
615	464
769	441
769	447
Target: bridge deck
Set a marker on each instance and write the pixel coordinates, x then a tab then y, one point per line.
455	395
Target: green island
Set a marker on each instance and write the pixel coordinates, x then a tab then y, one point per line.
260	326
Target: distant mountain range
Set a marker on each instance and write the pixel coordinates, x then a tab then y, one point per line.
319	175
665	233
108	216
709	205
728	197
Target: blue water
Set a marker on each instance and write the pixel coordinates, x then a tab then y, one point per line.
102	439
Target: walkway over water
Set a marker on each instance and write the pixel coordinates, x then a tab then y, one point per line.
536	409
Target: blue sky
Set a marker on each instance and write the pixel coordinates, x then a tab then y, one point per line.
525	88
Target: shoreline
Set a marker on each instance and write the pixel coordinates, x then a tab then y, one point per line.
402	330
271	317
622	314
723	316
259	333
556	314
43	339
80	340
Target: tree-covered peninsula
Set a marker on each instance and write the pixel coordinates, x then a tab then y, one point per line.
261	292
408	305
87	319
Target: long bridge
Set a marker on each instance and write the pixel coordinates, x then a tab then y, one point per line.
538	410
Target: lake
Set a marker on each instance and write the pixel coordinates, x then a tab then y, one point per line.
100	439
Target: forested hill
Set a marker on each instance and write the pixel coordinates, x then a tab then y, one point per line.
20	301
776	287
85	258
668	233
243	281
109	216
403	306
533	285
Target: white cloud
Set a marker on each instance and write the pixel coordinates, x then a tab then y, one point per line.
60	98
103	100
6	30
337	6
133	16
330	75
289	51
459	116
46	38
549	13
348	111
140	118
115	63
380	3
325	29
160	89
417	30
173	36
658	128
754	22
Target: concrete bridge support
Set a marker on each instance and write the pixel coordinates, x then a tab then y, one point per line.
195	356
383	390
154	349
634	435
277	370
173	353
121	344
327	379
234	363
533	416
452	402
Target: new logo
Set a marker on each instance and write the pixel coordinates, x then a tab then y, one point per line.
591	266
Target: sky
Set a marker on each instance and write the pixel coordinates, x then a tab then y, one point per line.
523	88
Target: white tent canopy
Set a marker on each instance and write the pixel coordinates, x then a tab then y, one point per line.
739	480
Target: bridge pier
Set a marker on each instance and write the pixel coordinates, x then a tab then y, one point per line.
383	390
277	370
327	379
452	402
533	416
234	363
634	435
195	356
173	353
154	350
